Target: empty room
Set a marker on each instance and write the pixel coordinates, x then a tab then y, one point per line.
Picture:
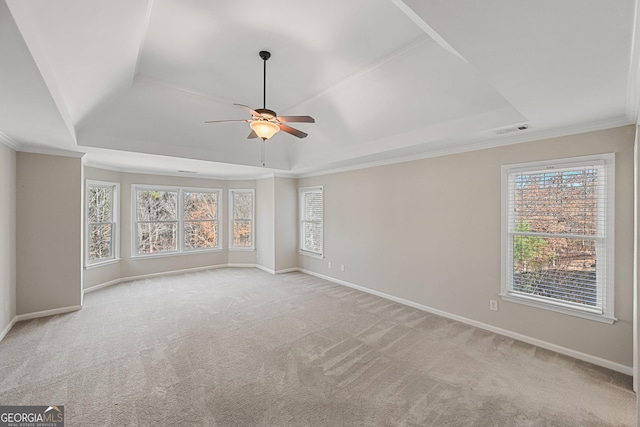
369	213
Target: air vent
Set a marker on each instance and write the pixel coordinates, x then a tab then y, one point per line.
511	129
183	171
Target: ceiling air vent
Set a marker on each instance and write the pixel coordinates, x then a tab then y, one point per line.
183	171
511	129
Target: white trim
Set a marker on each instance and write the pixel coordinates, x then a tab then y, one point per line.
9	142
493	141
45	313
301	220
50	151
263	268
238	265
251	191
180	249
100	286
606	281
164	273
8	328
627	370
115	219
287	270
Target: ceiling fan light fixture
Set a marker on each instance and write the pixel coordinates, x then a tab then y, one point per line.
264	129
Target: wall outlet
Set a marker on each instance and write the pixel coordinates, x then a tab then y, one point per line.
329	265
493	305
342	267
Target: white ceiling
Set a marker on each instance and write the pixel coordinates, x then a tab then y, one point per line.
131	82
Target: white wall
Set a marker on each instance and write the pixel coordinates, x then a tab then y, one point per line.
428	231
48	233
7	238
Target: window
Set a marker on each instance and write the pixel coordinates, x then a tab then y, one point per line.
102	219
241	216
200	220
174	220
311	221
558	235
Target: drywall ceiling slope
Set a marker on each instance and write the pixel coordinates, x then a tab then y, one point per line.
383	78
28	114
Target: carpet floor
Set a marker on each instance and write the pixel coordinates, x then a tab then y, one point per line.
240	347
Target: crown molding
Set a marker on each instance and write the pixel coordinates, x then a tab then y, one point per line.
9	142
49	151
476	146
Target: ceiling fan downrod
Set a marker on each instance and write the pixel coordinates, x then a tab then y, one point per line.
264	55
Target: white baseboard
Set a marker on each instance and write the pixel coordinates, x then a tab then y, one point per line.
263	268
8	328
45	313
287	270
101	285
614	366
232	265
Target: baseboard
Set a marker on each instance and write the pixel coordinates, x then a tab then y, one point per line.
45	313
8	328
263	268
153	275
287	270
627	370
101	285
232	265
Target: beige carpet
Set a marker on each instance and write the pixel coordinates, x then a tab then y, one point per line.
240	347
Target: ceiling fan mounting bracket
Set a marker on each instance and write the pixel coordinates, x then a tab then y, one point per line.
264	54
266	113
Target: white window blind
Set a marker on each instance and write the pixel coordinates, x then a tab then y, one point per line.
311	214
558	235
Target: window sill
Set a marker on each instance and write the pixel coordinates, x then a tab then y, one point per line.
170	254
242	249
101	263
311	254
603	318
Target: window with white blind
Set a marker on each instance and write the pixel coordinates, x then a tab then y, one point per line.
241	216
558	235
102	222
311	221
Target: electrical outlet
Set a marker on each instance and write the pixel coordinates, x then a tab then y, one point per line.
493	305
329	265
342	267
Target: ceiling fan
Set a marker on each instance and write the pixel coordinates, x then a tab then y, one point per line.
264	122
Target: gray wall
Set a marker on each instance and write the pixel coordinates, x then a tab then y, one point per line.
428	231
265	223
7	237
286	230
128	266
48	233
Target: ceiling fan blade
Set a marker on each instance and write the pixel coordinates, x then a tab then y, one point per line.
299	119
292	131
251	110
252	135
224	121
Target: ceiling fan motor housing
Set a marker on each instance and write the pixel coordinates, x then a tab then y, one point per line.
266	114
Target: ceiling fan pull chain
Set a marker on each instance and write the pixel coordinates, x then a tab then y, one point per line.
262	153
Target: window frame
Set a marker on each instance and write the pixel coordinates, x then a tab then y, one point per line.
302	250
180	245
115	223
605	241
232	218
